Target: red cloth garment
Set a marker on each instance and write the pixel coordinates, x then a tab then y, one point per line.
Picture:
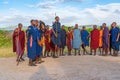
47	40
14	41
21	35
94	44
69	38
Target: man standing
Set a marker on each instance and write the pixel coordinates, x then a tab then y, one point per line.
63	40
69	38
56	34
39	46
94	43
115	38
76	39
32	43
105	38
101	39
47	42
85	39
19	42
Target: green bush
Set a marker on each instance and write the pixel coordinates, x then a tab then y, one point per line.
5	39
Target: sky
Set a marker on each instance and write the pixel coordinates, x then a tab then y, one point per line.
82	12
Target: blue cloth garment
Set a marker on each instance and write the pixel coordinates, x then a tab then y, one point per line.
31	51
63	39
85	37
39	48
114	34
76	39
57	29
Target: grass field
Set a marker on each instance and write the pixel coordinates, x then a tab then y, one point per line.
6	52
6	43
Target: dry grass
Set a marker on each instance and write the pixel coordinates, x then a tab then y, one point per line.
6	52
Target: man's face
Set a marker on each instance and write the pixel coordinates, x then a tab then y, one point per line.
62	27
76	26
113	24
69	29
20	26
94	27
33	23
47	27
36	23
42	26
84	28
104	25
57	19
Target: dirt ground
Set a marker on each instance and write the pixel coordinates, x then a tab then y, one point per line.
63	68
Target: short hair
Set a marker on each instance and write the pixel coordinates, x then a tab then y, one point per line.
114	23
36	20
104	24
19	24
95	26
69	27
84	27
41	23
32	20
56	17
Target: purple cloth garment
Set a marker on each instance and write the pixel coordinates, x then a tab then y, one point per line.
18	47
105	37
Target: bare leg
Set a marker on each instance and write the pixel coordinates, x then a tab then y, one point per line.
110	51
94	52
21	57
116	53
100	50
70	51
79	52
75	52
106	51
90	51
83	47
45	54
62	51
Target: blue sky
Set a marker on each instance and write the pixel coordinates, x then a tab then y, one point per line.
71	12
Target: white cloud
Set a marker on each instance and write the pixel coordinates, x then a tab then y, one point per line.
44	5
69	15
70	0
5	2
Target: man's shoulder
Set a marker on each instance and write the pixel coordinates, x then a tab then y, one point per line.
30	27
22	31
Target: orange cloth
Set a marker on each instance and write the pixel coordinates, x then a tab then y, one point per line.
100	38
42	41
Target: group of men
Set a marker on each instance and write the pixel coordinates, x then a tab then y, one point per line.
45	42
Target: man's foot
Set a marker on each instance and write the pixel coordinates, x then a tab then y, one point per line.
32	64
90	53
63	54
55	56
22	59
115	54
42	61
48	55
